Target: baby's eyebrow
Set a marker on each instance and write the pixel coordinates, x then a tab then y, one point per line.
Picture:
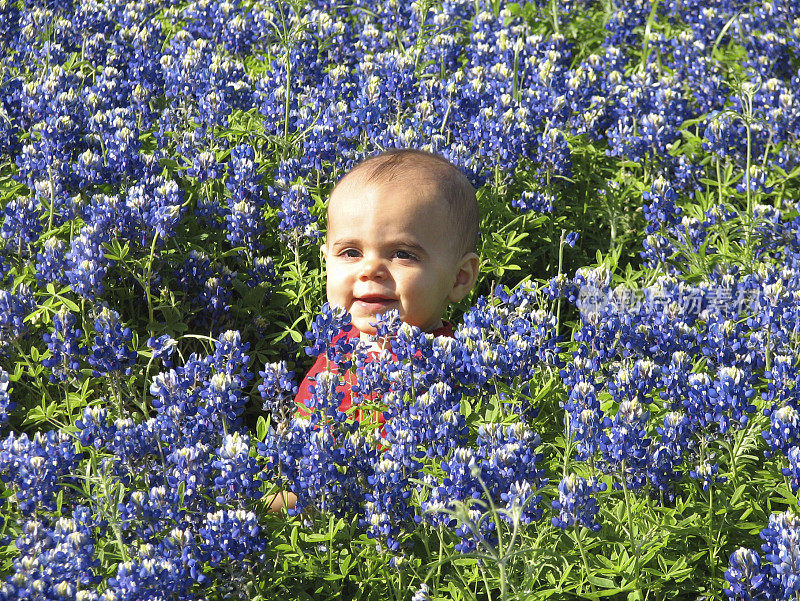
345	243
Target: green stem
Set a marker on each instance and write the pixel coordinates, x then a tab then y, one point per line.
712	552
567	445
116	388
441	552
486	583
579	539
147	283
631	537
558	276
748	119
503	579
113	516
554	15
52	197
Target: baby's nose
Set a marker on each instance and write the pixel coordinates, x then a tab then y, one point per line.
372	268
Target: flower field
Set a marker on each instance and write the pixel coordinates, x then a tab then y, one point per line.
618	413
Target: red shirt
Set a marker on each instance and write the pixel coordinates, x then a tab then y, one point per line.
323	364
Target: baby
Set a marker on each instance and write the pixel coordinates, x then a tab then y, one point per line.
402	234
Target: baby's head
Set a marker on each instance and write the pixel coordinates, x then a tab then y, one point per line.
402	234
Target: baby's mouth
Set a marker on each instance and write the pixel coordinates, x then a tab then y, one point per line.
373	303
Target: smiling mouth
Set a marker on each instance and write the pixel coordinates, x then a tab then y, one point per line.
373	302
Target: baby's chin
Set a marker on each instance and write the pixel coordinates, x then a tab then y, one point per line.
364	324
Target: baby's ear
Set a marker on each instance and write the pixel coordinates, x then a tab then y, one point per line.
323	248
465	277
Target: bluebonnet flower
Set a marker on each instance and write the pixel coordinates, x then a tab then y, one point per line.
706	472
508	461
86	263
561	286
421	594
658	251
537	201
676	433
782	551
262	272
230	357
504	466
575	504
661	212
316	469
146	512
209	288
51	262
222	403
163	348
204	167
387	507
65	347
587	420
745	576
793	471
325	327
6	404
297	220
195	270
244	226
244	221
553	154
158	206
626	443
784	431
572	238
733	393
277	388
151	573
21	224
110	352
238	472
188	466
13	309
244	181
116	153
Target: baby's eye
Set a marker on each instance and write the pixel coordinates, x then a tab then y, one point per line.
350	253
405	255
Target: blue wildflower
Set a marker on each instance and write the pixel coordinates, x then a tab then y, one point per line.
575	504
110	352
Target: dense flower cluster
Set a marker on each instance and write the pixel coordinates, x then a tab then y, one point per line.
183	475
420	386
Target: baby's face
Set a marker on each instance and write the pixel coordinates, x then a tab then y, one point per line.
391	246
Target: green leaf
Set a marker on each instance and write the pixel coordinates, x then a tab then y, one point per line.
261	428
601	582
72	306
